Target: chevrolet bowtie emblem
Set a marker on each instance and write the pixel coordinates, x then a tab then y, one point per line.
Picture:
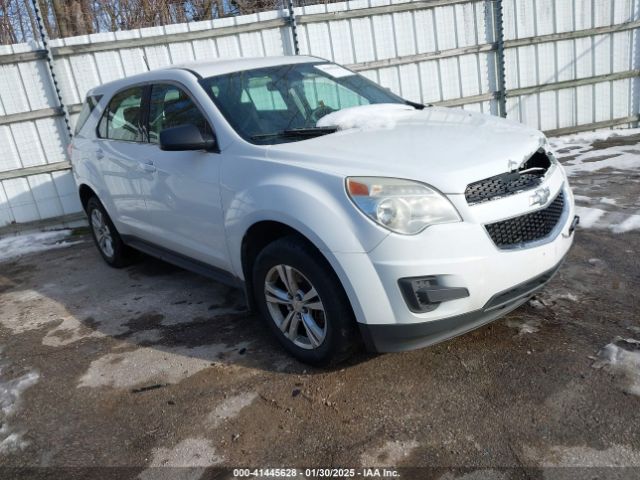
540	196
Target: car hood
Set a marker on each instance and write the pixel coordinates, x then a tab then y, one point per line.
446	148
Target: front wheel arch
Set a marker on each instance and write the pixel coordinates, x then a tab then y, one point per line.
263	233
256	238
314	270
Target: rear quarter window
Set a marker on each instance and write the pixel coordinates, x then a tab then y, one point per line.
88	107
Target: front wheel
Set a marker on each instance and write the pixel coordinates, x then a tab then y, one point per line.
302	301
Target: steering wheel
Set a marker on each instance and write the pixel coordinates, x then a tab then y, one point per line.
320	112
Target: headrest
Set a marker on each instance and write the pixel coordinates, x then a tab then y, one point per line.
131	115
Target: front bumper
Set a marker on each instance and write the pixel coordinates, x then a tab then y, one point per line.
462	257
402	337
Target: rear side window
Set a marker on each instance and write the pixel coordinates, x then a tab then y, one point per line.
171	107
123	118
88	107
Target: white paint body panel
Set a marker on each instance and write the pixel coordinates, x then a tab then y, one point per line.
202	204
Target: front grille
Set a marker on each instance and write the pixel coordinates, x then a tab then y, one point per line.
500	186
529	175
527	228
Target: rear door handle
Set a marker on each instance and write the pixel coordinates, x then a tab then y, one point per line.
99	154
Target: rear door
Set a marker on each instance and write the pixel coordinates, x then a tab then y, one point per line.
184	199
122	151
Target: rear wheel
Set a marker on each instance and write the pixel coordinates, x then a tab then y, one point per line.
302	301
106	237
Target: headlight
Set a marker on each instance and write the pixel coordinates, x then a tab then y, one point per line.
402	206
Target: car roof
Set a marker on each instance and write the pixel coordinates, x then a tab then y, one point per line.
229	65
209	68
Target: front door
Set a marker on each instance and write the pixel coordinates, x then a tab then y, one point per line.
184	198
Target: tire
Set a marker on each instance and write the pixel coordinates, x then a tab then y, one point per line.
319	329
106	237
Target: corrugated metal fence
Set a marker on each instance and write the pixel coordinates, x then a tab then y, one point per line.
558	65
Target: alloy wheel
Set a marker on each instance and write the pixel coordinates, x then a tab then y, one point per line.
295	306
102	233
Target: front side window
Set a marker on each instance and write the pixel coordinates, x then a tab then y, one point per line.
267	105
170	106
122	119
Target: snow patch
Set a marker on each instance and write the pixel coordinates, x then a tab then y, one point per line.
587	138
631	223
10	393
617	159
589	217
195	453
564	296
587	159
524	326
230	408
389	455
537	304
151	365
18	245
614	221
596	262
582	198
622	363
11	390
367	117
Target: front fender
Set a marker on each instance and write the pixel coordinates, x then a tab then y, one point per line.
322	214
315	205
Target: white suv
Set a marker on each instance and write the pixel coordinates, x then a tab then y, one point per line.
346	213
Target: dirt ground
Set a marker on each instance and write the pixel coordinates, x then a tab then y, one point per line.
154	366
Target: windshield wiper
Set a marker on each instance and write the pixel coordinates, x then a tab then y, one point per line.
417	106
298	132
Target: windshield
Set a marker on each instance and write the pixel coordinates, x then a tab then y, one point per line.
284	103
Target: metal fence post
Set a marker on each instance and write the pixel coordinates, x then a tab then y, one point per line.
498	30
294	27
50	63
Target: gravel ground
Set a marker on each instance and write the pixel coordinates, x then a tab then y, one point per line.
153	366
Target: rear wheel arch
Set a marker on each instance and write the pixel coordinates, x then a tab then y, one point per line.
86	192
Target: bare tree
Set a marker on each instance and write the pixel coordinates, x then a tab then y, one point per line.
17	21
65	18
7	28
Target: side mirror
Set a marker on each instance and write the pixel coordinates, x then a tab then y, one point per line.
184	137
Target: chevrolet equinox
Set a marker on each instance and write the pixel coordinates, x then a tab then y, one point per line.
347	214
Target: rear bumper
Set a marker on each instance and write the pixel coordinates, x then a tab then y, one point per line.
403	337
